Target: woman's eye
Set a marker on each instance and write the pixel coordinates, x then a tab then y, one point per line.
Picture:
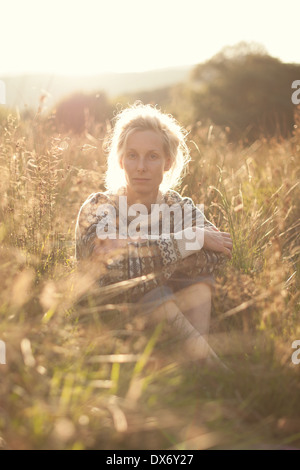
153	156
131	155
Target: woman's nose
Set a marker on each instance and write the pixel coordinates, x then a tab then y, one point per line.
141	166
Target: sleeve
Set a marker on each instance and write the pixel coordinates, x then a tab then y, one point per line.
203	261
85	230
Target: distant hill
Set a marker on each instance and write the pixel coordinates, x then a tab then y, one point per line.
24	91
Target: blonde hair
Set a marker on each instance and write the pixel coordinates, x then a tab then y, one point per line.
146	117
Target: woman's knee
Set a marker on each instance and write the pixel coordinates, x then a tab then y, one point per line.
168	310
197	294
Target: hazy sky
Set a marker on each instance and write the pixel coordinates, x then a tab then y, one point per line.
95	36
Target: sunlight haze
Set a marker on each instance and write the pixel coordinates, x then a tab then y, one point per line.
95	36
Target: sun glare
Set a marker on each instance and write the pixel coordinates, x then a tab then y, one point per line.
96	36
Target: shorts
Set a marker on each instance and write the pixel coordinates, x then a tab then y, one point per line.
161	294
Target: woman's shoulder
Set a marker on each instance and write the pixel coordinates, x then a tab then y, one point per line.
93	208
173	197
94	199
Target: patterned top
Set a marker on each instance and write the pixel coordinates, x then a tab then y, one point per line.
150	262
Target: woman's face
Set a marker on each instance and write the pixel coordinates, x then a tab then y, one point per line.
144	161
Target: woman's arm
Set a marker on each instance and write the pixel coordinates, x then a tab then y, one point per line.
215	245
134	258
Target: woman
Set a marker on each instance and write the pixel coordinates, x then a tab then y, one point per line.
169	262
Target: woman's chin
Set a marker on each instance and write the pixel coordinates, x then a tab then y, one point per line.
142	186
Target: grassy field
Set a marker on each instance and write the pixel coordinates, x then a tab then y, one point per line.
82	370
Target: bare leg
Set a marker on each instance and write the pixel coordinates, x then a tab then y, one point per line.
195	303
195	344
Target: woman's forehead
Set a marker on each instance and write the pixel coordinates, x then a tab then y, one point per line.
144	139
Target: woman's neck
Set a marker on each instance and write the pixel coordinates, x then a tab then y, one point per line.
139	198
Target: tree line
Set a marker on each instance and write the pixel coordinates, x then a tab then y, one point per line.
242	88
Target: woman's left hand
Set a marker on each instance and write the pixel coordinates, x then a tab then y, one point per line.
220	242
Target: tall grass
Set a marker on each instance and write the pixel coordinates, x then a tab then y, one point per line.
85	371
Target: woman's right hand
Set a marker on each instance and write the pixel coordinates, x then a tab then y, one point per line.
215	240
